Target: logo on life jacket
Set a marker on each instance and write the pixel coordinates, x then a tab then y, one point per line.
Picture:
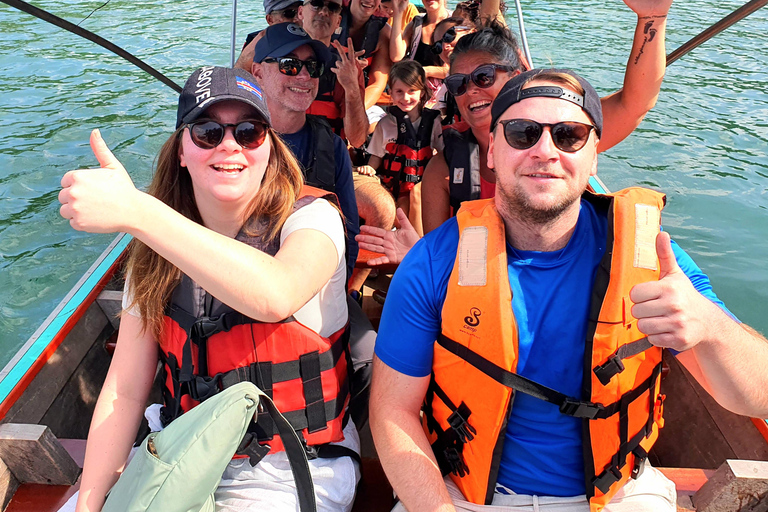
473	320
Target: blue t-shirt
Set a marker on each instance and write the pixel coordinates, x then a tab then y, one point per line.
300	144
542	452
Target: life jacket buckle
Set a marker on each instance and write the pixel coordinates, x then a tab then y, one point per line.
206	327
579	409
203	388
459	422
640	456
455	461
612	366
250	446
610	476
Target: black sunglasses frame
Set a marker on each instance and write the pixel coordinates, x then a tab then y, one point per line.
284	63
318	5
558	137
238	131
461	88
288	12
448	37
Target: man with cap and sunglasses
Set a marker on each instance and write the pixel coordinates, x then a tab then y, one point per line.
276	11
530	328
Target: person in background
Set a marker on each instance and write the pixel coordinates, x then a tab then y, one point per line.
224	232
287	67
387	10
511	325
276	11
447	33
406	139
342	85
370	34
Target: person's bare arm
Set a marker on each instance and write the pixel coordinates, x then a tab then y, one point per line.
245	60
264	287
491	10
624	109
348	74
118	412
436	71
435	194
398	42
378	73
403	448
730	360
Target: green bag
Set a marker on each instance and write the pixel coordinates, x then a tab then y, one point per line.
179	468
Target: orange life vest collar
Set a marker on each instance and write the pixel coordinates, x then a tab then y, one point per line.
473	379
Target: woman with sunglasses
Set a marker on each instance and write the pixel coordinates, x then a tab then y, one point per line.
221	234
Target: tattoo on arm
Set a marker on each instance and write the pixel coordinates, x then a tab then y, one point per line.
650	34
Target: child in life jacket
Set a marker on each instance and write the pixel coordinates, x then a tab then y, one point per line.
405	139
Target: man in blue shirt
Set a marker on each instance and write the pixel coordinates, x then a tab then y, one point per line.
543	146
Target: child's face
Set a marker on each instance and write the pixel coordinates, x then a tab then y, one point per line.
404	97
386	9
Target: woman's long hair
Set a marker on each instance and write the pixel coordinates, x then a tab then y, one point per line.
152	277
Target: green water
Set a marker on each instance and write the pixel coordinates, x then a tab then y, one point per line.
705	142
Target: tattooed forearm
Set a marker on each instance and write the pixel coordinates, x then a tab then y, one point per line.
649	32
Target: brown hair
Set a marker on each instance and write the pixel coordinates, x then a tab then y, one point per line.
412	74
152	277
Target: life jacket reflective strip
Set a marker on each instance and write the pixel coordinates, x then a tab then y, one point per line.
462	156
405	159
321	172
304	373
473	382
324	104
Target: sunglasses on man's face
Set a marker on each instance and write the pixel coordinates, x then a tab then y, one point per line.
483	76
291	66
448	37
288	13
318	5
568	136
208	134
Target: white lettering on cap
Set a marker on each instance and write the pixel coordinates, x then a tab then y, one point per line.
203	90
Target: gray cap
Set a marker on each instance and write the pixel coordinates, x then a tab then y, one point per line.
278	5
513	92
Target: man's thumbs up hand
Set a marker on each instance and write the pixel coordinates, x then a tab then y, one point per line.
99	200
670	311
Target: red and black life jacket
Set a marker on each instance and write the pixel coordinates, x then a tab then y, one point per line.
207	346
462	156
405	159
324	104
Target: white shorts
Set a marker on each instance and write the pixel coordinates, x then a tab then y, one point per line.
651	492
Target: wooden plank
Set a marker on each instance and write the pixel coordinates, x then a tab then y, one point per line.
8	485
698	433
40	394
34	455
737	485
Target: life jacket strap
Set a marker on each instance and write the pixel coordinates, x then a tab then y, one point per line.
614	364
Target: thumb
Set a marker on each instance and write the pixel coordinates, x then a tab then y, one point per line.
402	218
667	261
102	153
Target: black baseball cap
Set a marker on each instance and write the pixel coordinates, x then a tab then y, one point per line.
279	5
281	39
211	84
513	92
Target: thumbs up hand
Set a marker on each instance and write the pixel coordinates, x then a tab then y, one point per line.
670	311
99	200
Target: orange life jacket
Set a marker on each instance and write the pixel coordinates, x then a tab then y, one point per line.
207	346
406	158
475	358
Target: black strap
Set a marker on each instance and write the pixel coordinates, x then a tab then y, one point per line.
313	392
297	456
332	451
568	405
614	364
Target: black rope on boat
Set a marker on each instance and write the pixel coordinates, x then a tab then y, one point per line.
93	11
87	34
737	15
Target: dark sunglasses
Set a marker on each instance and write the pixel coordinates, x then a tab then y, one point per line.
483	76
208	134
288	13
448	37
291	66
318	5
568	136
